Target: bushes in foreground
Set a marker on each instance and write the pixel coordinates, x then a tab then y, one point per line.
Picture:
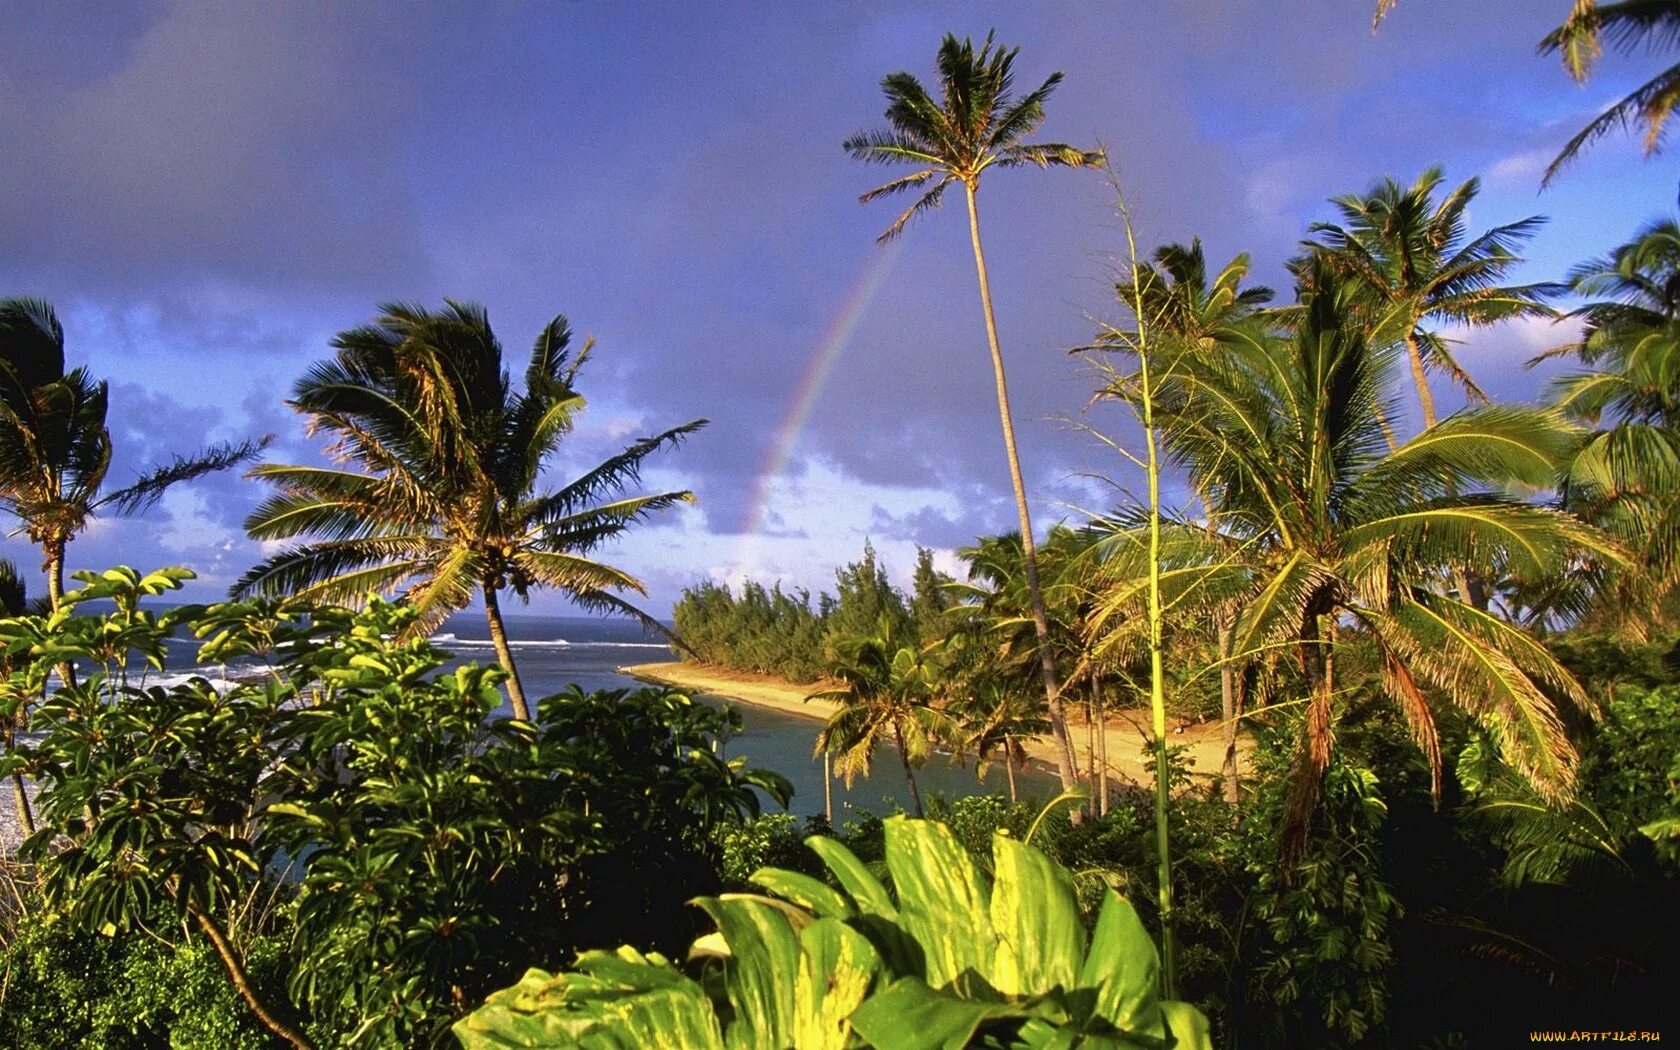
422	852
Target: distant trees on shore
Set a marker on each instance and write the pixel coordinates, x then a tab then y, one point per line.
768	630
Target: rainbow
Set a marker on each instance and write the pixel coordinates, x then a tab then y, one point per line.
786	438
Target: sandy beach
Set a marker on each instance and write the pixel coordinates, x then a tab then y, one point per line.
1125	731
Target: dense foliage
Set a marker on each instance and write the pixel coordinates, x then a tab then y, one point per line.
772	631
1444	663
422	852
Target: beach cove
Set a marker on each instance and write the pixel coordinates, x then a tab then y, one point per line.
1126	730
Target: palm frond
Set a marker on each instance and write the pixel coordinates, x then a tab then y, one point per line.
150	487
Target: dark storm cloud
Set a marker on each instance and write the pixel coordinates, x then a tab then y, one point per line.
255	145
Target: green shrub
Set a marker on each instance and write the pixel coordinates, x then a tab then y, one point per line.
64	988
433	852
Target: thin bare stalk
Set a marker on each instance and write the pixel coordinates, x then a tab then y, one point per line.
1157	672
1228	703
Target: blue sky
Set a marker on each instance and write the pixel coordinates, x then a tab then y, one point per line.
209	191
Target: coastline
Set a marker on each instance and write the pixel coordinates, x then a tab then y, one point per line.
1126	738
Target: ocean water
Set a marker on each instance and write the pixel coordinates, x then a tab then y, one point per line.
556	651
553	652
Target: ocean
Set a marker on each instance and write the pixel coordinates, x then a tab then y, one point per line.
556	651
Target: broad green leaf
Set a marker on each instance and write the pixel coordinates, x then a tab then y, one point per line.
865	889
804	891
836	967
911	1016
942	901
1188	1027
1124	969
1033	911
667	1019
763	953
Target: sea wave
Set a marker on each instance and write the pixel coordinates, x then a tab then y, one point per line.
449	639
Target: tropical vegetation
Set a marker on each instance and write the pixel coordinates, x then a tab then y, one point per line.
1434	653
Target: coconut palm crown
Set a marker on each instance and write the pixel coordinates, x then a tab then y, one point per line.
977	125
1419	266
1625	475
438	485
1631	26
891	691
1323	533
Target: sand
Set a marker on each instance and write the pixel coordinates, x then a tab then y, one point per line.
1125	729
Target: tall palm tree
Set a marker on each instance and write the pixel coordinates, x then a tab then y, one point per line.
890	691
55	446
1631	26
1625	475
977	125
1342	536
439	483
1415	261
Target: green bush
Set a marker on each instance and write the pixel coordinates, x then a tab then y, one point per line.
430	851
65	989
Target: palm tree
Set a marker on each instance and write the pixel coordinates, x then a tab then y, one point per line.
1412	258
1342	537
977	125
1175	297
438	484
890	689
1625	476
999	719
1631	26
55	447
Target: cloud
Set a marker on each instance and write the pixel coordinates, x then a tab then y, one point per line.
228	145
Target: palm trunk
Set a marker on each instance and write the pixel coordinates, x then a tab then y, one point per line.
909	775
828	790
242	983
1091	744
1102	749
1067	765
498	636
1426	400
55	573
1009	766
55	594
20	794
1319	658
1228	707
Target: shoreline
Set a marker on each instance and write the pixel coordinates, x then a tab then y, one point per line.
1125	738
